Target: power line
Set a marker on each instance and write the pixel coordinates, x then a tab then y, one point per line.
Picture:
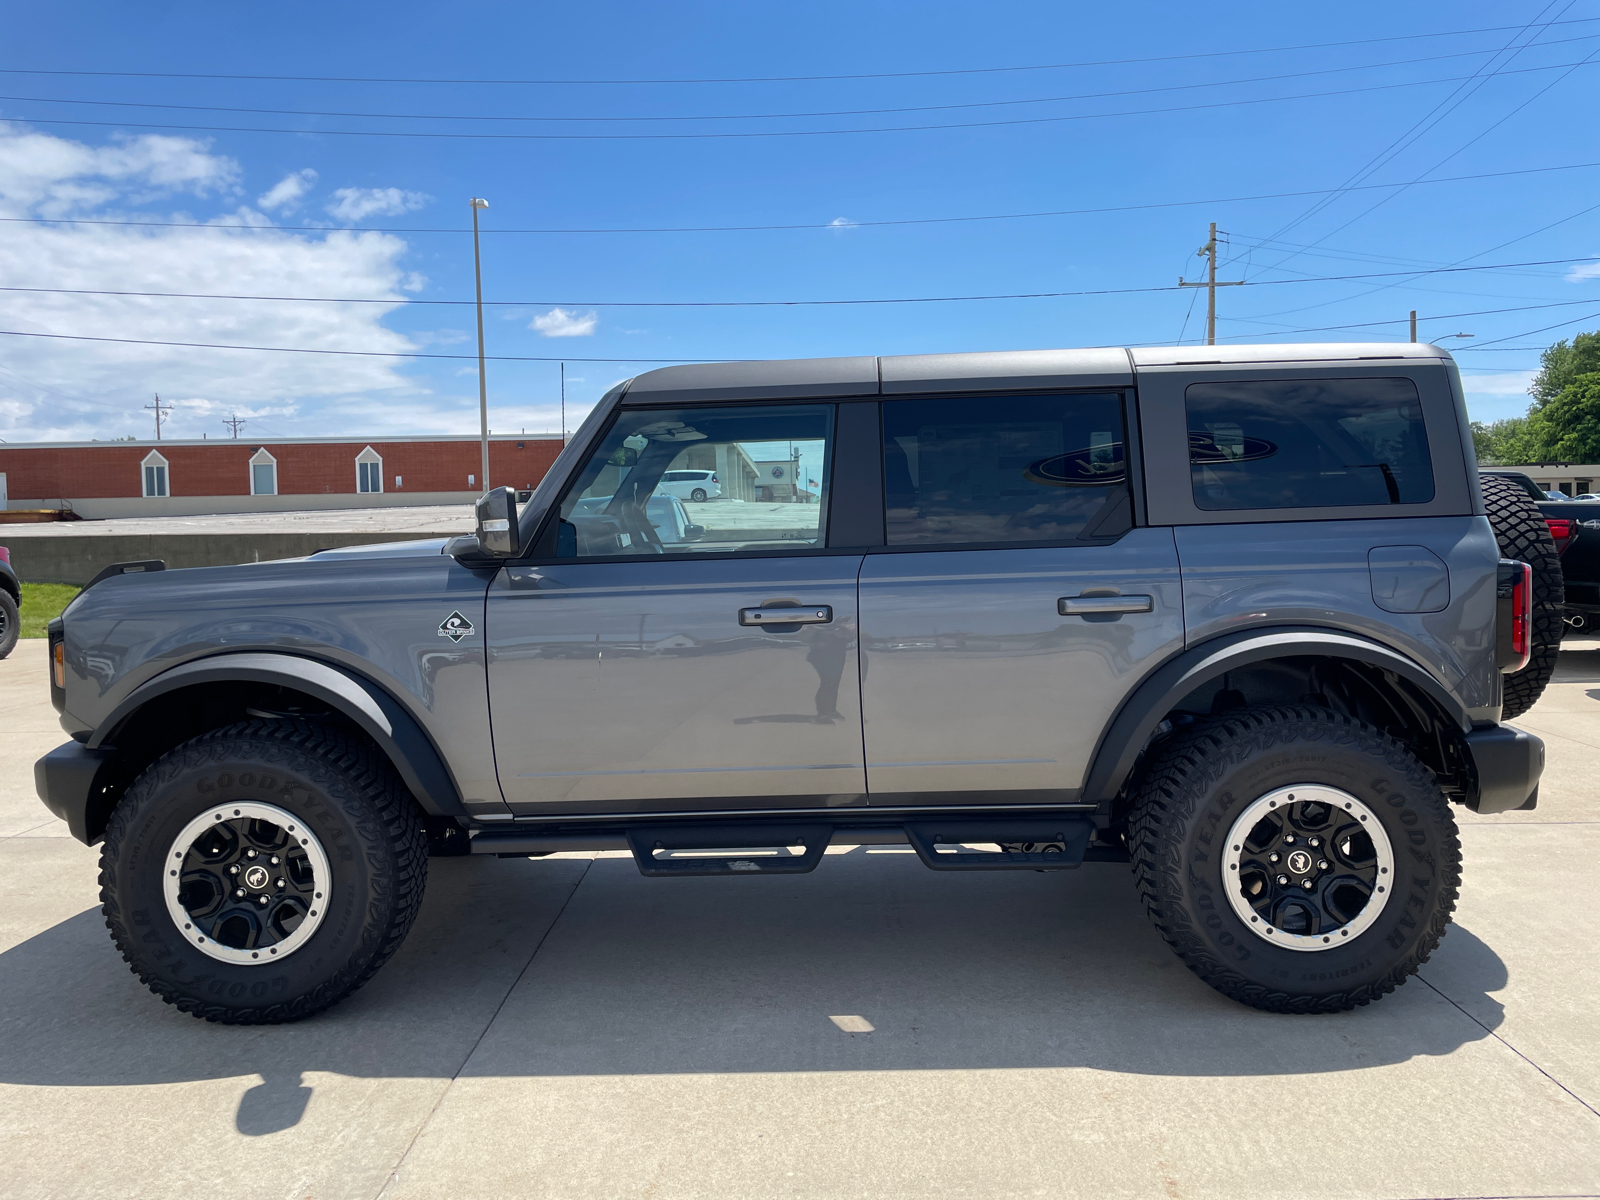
401	301
1545	329
775	116
1063	212
770	133
1458	150
69	337
1482	312
1110	62
1425	123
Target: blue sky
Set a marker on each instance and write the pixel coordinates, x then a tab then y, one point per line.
1223	120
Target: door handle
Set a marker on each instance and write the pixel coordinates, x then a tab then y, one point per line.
809	614
1090	606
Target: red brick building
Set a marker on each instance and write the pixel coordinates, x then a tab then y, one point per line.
180	478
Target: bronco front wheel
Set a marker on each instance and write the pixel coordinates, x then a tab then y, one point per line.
1297	860
263	872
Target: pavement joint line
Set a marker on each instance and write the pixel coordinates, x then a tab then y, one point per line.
394	1174
1496	1036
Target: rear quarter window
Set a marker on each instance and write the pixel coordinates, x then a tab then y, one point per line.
1307	443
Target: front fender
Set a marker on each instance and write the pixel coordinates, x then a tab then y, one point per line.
1129	732
397	733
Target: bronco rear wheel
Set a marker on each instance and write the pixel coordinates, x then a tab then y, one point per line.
262	872
1295	859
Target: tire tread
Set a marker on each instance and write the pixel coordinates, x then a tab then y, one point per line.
1166	801
396	821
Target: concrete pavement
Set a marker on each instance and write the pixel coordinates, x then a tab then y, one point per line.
566	1028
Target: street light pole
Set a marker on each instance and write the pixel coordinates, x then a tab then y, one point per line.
483	383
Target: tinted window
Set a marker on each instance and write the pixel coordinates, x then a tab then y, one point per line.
771	461
1003	470
1306	443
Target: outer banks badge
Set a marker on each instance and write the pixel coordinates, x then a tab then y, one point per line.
455	627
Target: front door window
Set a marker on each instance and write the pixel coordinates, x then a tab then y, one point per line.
702	481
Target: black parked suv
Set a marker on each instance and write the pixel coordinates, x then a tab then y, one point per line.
10	604
1234	616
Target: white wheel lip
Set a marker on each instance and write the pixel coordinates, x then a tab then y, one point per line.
1298	793
242	810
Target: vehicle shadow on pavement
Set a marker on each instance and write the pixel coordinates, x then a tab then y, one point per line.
990	970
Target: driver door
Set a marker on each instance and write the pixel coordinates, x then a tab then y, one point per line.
634	672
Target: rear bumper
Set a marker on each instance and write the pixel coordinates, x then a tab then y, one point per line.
68	781
1507	763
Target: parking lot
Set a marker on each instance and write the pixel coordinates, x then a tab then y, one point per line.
565	1028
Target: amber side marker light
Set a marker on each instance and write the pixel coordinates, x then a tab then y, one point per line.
58	664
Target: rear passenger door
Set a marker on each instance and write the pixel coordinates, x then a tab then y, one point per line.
1014	604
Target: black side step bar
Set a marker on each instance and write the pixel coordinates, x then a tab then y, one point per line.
1064	840
646	841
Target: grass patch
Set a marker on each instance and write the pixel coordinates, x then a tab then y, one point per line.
42	603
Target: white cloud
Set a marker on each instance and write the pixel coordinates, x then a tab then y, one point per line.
1494	397
42	175
357	204
64	390
841	223
1507	383
287	192
1583	272
561	322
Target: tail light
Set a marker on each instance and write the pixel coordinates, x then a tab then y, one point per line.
5	556
1560	532
714	478
1513	616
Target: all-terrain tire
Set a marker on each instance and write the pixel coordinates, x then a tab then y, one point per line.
348	798
10	623
1520	529
1199	784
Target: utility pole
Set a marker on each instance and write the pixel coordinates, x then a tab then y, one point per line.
1413	324
160	410
563	404
1209	250
483	383
233	422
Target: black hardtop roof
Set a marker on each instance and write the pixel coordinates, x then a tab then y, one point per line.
795	378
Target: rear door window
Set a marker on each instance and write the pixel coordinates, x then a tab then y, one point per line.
1307	443
1004	470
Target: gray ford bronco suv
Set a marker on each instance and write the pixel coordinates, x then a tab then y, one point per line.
1235	616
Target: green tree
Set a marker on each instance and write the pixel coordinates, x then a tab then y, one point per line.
1562	363
1504	443
1567	427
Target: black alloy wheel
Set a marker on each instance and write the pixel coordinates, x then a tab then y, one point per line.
247	881
262	872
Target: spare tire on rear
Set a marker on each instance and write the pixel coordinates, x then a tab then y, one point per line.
1520	529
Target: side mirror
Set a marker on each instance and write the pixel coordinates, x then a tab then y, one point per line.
496	513
693	533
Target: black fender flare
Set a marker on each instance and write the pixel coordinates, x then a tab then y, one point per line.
383	718
1129	732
